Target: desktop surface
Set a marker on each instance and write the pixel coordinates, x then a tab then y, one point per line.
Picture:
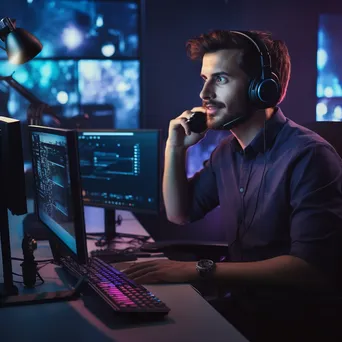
191	318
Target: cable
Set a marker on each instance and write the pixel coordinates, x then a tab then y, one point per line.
40	277
136	241
37	275
38	261
17	274
40	267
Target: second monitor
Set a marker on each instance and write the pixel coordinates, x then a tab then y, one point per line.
120	169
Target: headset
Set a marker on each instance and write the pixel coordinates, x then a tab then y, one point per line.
265	90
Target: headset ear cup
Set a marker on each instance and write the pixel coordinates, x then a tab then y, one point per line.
252	92
264	93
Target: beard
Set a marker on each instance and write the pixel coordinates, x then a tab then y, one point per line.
223	120
226	116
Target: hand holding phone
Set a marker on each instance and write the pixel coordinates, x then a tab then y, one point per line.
182	127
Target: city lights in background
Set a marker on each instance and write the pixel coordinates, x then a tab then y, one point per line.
72	37
108	50
62	97
329	69
99	21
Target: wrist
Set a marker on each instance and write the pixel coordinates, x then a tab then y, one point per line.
193	275
173	147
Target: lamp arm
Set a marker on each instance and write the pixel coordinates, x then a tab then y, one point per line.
37	107
20	89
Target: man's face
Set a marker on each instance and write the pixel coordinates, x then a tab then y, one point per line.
224	92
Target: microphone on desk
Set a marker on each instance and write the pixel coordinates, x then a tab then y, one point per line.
29	265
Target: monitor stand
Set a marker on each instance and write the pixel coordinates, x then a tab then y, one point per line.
110	233
7	288
110	223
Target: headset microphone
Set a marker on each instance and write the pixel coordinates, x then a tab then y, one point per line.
230	124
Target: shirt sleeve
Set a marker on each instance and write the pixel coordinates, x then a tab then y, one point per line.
316	200
203	191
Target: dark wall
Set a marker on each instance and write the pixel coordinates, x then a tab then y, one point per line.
172	82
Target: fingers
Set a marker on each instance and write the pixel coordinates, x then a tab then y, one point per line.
137	266
198	109
182	121
143	272
149	278
186	114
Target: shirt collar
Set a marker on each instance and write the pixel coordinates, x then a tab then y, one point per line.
272	128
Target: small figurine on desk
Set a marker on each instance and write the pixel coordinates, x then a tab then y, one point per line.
29	265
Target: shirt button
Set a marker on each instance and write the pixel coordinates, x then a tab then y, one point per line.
242	190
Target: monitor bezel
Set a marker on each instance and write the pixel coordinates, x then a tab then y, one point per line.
81	255
159	173
13	165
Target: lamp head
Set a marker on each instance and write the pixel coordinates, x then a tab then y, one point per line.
21	46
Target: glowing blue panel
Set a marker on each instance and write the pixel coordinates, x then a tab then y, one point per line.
329	68
54	82
78	28
113	85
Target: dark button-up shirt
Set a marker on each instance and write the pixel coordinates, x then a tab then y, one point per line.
281	195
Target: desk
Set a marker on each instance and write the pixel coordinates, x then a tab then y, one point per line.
191	318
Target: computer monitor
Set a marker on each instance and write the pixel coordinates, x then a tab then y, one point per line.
12	193
58	197
120	169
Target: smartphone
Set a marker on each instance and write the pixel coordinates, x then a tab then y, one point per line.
198	122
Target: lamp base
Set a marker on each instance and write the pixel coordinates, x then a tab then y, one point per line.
43	297
4	292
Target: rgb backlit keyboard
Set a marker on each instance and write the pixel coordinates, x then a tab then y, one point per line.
118	291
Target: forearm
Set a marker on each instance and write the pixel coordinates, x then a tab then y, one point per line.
175	185
281	271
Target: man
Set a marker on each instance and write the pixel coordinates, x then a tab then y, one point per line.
278	185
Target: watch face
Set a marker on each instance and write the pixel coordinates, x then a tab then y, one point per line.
205	267
205	263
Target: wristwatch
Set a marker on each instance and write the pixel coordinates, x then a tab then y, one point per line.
205	267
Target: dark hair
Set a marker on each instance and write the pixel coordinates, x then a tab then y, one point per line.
249	61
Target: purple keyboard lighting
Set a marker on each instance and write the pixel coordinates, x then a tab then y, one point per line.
118	291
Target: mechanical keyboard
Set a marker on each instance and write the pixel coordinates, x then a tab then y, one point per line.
117	290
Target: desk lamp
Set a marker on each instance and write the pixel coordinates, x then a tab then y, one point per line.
21	46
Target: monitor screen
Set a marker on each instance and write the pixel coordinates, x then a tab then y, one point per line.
329	68
120	169
56	179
